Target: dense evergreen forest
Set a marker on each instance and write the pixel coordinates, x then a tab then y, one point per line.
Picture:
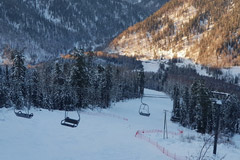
79	80
195	104
53	27
96	79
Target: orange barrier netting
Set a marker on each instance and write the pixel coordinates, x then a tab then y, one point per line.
140	134
159	131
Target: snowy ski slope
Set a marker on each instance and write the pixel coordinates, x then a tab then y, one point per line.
102	135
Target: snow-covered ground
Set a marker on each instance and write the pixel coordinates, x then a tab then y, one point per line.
235	71
102	135
150	66
153	66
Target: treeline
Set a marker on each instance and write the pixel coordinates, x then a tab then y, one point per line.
196	108
84	80
194	105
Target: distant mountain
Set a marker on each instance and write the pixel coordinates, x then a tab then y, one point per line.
50	27
206	31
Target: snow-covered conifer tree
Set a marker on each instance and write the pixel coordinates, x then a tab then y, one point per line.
18	79
79	76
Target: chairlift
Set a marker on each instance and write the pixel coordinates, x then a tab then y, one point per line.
70	122
155	96
20	113
144	109
175	119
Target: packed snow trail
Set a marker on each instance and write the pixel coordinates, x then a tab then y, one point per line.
96	137
101	134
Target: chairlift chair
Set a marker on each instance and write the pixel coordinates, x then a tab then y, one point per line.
144	109
19	113
70	122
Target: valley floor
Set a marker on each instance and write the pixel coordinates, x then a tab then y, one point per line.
104	135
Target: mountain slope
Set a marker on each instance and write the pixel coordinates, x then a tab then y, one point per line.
205	31
48	28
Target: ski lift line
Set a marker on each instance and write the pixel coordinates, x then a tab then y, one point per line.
155	97
153	94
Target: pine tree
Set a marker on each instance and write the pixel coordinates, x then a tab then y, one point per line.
7	88
193	104
28	90
98	83
135	84
106	86
35	94
117	85
18	79
79	76
92	76
176	104
185	108
3	91
141	80
46	88
68	96
58	83
204	106
231	116
7	76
